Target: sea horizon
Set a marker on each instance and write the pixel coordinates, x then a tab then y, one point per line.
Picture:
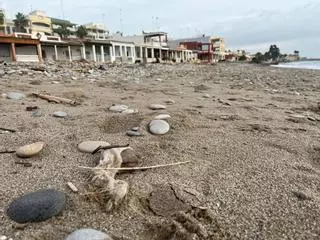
313	65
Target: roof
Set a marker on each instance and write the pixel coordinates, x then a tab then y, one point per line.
136	39
175	43
57	21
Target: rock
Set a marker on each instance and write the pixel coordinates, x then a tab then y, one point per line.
162	117
157	107
135	129
3	237
37	207
4	95
15	96
30	150
206	96
170	102
90	146
31	108
118	108
60	114
74	78
311	119
72	187
133	134
130	111
88	234
159	127
11	72
35	82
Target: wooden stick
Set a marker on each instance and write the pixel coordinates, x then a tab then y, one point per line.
6	151
138	168
109	147
8	130
55	99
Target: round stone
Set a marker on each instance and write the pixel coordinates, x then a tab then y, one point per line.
60	114
130	111
15	96
162	117
170	102
90	146
88	234
30	150
135	129
118	108
37	207
157	107
134	133
159	127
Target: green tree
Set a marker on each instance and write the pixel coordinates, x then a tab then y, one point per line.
63	31
243	58
82	32
2	17
297	53
274	53
21	22
258	58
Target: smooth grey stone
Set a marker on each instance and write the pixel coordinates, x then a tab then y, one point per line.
135	129
37	206
162	117
60	114
118	108
88	234
157	107
159	127
90	146
134	133
15	96
30	150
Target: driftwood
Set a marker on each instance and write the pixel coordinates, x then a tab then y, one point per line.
7	130
55	99
7	151
109	147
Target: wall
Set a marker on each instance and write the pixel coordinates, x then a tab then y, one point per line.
49	53
26	50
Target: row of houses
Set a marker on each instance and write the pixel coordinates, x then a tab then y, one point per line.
40	43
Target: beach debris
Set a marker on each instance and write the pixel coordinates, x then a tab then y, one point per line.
37	206
131	133
55	99
129	158
30	150
72	187
162	117
7	151
60	114
157	107
159	127
90	146
111	190
15	96
7	130
88	234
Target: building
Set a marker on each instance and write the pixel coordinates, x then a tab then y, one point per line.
219	48
199	50
7	27
39	24
97	31
56	24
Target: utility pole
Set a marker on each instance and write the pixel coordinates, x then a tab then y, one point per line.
62	10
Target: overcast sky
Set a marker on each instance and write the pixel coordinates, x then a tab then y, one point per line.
247	24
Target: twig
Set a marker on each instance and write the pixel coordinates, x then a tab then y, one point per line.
8	130
55	99
109	147
6	151
138	168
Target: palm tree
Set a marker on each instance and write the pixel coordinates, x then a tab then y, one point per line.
21	22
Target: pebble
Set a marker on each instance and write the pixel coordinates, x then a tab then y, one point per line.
88	234
135	129
37	206
206	96
133	133
118	108
90	146
311	119
73	78
157	107
3	237
162	117
130	111
170	102
159	127
4	95
30	150
60	114
15	96
72	187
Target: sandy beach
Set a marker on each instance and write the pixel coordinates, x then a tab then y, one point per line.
251	133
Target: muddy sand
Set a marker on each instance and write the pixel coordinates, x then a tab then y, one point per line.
251	133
